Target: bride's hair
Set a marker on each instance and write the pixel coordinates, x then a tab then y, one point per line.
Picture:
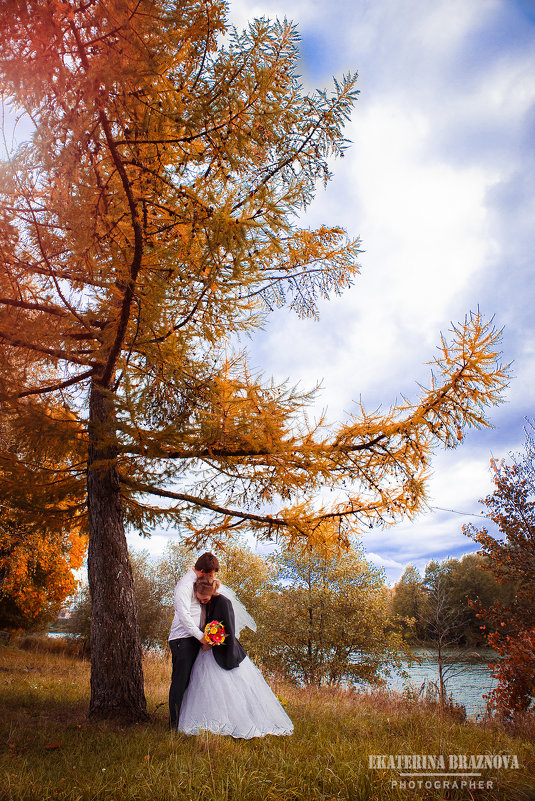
205	586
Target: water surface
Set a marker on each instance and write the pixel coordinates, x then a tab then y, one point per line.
468	675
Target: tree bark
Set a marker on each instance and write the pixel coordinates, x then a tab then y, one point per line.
116	670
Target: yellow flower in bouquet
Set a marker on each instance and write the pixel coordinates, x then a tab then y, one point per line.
215	632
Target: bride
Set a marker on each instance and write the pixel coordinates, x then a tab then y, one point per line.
227	694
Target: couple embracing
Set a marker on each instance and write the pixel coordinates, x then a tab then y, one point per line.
216	687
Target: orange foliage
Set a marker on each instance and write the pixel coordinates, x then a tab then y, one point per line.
36	572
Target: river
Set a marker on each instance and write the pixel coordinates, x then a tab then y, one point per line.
468	679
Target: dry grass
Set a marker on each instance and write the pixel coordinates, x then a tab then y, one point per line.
68	646
51	751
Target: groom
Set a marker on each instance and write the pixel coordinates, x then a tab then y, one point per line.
186	636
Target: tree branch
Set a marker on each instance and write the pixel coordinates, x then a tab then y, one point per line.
22	304
229	453
55	352
52	388
203	503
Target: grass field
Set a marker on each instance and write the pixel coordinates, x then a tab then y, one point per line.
49	750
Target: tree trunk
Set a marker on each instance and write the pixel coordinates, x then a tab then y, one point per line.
116	670
441	680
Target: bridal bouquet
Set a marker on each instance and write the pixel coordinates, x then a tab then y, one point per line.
215	632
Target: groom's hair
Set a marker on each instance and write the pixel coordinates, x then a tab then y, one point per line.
206	563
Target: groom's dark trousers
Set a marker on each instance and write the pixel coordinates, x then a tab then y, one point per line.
183	651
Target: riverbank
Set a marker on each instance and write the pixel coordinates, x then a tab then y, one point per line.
51	751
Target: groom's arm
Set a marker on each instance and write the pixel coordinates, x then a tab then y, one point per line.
183	591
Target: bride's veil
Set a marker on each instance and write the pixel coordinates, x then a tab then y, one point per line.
242	617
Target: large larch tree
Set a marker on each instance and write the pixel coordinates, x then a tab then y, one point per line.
152	216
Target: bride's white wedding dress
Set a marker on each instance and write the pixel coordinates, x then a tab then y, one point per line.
227	693
238	702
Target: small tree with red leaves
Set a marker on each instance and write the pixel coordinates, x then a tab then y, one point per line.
512	559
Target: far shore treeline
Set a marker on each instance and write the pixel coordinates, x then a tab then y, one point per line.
445	603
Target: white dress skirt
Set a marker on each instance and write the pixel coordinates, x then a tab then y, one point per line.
238	702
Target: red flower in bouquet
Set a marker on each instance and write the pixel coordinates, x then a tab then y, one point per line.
215	632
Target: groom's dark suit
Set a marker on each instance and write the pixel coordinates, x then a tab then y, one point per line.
230	653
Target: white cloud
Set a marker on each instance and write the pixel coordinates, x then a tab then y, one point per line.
382	561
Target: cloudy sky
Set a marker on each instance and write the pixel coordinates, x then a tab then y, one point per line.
439	184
